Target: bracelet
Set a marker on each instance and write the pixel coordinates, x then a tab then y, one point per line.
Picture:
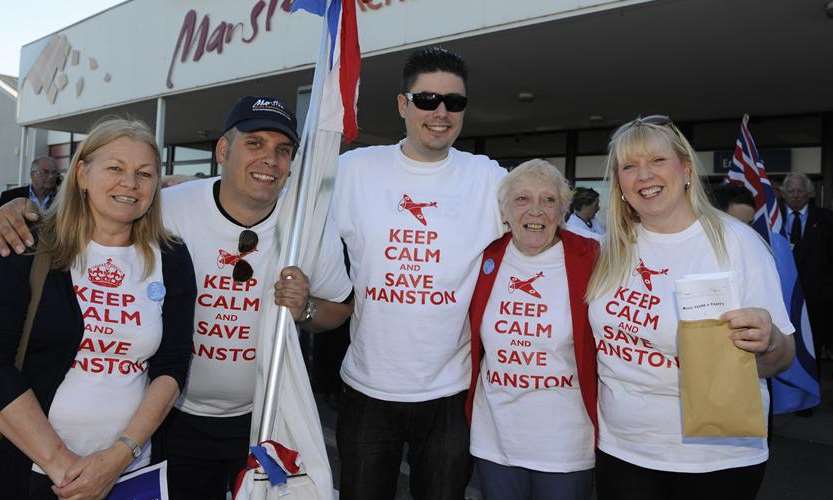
134	447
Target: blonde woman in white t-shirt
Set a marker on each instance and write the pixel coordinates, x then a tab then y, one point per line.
110	343
660	227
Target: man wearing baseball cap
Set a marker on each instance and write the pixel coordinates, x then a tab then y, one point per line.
229	225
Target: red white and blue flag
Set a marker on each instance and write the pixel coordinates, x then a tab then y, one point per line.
343	62
289	458
797	388
748	169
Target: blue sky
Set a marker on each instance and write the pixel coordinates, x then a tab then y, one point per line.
25	21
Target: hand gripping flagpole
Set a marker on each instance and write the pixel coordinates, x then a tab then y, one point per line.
270	404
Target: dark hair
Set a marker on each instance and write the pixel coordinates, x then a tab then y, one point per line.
582	197
431	60
727	194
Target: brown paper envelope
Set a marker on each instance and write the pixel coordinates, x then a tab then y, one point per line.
718	383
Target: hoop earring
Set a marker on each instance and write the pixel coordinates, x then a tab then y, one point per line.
623	197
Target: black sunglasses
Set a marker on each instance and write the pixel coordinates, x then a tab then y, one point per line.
429	101
246	244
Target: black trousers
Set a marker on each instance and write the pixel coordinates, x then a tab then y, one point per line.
620	480
372	433
204	454
40	487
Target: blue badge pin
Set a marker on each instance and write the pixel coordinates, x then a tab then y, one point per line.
156	291
488	266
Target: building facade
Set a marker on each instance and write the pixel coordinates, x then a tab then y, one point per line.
548	78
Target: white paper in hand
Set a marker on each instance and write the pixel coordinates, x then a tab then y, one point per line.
706	296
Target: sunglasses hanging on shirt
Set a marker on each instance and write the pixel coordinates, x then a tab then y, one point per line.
246	244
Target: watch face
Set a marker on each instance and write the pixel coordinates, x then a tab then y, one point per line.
310	310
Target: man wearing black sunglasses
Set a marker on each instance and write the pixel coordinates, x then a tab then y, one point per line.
415	217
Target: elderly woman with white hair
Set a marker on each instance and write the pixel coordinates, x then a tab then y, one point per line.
532	399
661	227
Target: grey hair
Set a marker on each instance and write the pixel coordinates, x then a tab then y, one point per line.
45	158
542	170
798	177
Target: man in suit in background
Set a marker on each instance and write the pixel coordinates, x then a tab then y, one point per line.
41	191
810	231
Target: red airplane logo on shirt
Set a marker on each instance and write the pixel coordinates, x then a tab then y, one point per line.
230	259
525	285
415	208
646	274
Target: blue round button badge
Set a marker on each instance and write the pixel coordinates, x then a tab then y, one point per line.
488	266
156	291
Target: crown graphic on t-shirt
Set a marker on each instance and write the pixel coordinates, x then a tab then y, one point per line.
525	285
108	274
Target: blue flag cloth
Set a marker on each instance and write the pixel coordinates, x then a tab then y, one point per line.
317	7
797	388
274	471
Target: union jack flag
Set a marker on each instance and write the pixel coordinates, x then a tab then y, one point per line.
797	388
748	169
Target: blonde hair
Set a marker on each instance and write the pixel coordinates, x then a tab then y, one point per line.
541	170
68	225
617	255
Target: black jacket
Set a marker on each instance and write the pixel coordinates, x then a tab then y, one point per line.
19	192
814	256
57	332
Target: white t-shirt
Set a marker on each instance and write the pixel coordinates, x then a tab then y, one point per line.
122	313
528	410
223	371
576	225
635	327
414	233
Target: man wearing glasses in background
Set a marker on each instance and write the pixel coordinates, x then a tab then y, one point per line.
415	217
229	226
45	177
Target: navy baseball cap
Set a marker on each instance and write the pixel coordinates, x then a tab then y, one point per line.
252	113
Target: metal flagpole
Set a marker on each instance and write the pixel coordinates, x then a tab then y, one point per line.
270	404
24	134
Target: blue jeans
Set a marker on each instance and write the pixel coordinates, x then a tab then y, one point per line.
501	482
372	433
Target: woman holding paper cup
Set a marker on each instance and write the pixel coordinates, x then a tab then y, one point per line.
661	228
532	400
110	343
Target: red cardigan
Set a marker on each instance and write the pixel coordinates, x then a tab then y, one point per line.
580	256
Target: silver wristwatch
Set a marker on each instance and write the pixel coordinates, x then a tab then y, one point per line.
135	449
309	311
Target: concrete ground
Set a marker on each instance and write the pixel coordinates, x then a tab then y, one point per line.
801	452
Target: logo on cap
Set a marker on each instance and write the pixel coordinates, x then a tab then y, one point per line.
271	106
